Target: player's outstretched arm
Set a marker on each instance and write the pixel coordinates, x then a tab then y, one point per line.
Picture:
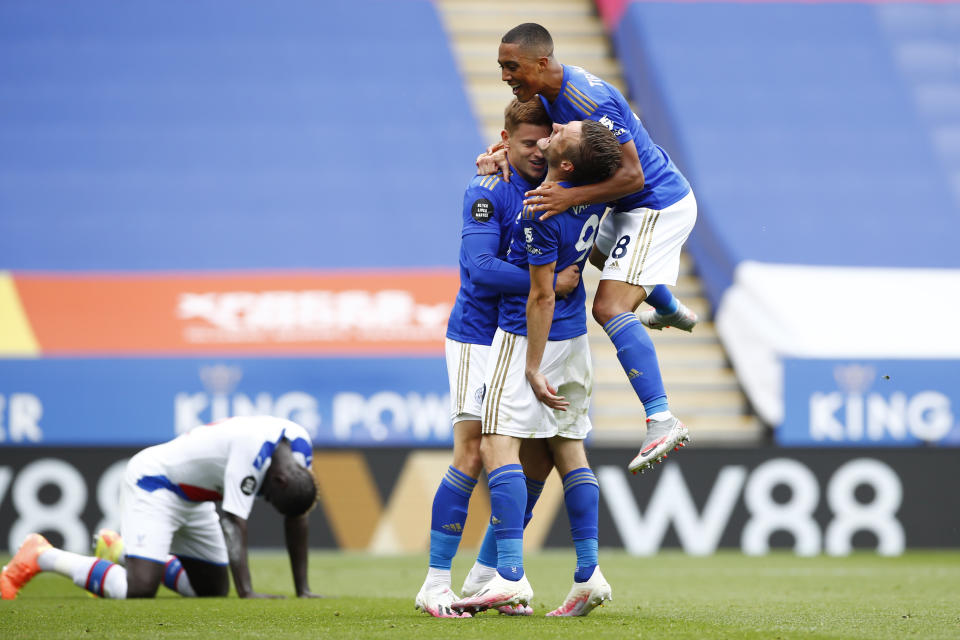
235	534
540	305
296	534
551	198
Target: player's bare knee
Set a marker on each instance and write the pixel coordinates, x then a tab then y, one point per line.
605	310
466	447
469	461
143	578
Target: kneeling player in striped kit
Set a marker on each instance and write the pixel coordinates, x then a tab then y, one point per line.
170	526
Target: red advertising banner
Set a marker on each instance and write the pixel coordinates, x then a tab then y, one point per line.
401	311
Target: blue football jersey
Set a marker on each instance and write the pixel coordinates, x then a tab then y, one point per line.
567	239
490	206
584	96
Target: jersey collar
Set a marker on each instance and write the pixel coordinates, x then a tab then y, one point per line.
516	175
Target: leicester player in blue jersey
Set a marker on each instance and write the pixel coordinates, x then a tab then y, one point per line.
540	379
639	243
490	207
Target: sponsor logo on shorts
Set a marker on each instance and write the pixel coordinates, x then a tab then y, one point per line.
247	485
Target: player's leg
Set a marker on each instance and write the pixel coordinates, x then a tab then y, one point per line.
667	310
647	250
466	369
108	545
101	577
193	577
36	554
200	563
581	494
509	413
537	464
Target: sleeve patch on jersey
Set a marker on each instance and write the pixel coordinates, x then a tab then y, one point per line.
482	210
528	236
247	485
609	124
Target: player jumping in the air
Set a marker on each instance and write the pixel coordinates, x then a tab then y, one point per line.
167	507
540	380
639	243
490	207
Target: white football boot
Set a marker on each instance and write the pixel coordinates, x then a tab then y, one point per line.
437	601
683	318
662	436
479	575
584	597
498	592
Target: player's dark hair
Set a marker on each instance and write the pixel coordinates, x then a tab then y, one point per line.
531	37
300	494
597	157
529	112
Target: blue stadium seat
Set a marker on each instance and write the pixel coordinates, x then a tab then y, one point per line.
213	134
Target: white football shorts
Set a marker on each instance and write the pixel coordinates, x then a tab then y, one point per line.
510	407
643	246
156	523
466	370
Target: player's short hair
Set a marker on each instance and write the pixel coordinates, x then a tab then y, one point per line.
300	494
531	37
529	112
598	155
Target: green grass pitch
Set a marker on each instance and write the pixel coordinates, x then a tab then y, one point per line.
666	596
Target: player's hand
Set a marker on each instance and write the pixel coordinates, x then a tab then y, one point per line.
490	163
253	595
550	198
567	281
496	146
545	393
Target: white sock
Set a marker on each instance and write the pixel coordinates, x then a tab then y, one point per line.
480	573
661	415
78	568
437	578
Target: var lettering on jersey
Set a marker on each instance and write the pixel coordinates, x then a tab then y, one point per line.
566	239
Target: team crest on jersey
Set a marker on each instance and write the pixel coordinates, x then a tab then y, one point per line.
482	210
247	485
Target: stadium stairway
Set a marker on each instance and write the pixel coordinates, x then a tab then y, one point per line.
702	387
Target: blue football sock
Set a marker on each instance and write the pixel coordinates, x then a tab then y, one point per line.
662	300
534	489
449	515
638	358
581	494
508	500
488	549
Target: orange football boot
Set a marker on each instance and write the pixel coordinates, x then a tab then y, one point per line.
23	566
